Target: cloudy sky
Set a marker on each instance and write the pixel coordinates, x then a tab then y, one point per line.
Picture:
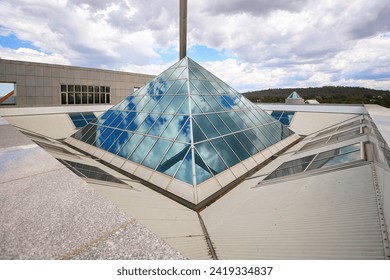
250	44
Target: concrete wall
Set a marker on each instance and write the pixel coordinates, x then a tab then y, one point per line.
38	84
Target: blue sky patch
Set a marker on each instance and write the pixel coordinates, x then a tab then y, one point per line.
13	42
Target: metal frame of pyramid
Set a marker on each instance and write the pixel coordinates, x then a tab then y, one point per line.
186	133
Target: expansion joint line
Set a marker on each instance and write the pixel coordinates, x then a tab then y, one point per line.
84	247
382	220
208	240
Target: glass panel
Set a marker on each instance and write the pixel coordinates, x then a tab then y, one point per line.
75	116
185	133
156	153
174	127
138	120
229	122
213	103
111	139
101	137
211	157
256	142
173	158
226	153
142	150
129	123
86	132
197	73
90	98
209	76
119	118
202	171
210	87
184	173
237	120
246	143
176	103
158	87
219	124
160	125
235	145
130	146
120	141
79	123
148	123
201	103
258	132
164	101
89	116
200	88
176	73
197	133
184	108
206	126
176	87
291	167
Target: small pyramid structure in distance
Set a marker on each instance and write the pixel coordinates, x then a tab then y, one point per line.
186	134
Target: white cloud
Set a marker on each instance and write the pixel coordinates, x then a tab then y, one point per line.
277	43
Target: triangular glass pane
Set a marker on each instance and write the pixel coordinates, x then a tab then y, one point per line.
206	125
131	125
185	132
175	75
111	139
256	141
218	87
214	104
174	127
219	124
103	118
184	89
245	142
195	108
202	171
211	157
192	75
201	102
176	103
155	154
197	73
239	150
211	89
184	109
176	86
158	87
184	173
145	126
184	74
172	160
103	136
207	74
182	63
225	151
166	74
229	122
198	135
130	146
160	125
163	103
142	150
119	142
198	85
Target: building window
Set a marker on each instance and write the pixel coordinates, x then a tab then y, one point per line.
85	94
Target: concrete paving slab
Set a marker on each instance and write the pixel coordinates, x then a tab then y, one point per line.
26	160
132	242
11	137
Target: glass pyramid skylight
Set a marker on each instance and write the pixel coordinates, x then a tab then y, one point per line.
186	132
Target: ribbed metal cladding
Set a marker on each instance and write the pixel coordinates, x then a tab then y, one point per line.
328	216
